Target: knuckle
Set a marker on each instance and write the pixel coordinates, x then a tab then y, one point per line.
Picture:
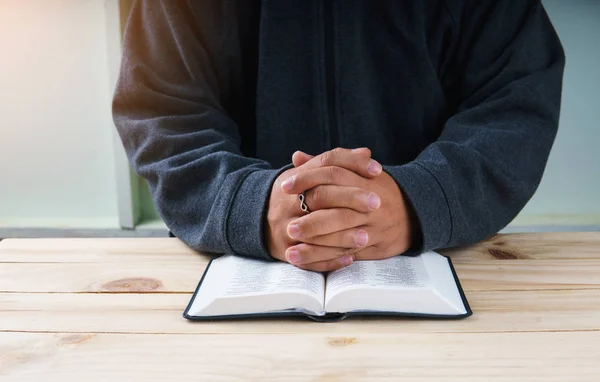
307	250
337	152
347	217
312	227
330	158
298	178
352	238
318	194
356	198
336	174
326	158
307	226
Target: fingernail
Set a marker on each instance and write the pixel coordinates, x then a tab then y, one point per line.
374	167
356	150
346	260
294	231
293	256
374	201
362	238
288	184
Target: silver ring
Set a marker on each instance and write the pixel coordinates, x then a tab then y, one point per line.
303	205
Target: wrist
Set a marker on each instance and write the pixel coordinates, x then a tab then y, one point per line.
414	228
245	221
275	208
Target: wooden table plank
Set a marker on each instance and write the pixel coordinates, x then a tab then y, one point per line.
533	246
306	357
536	302
167	265
524	246
99	277
88	250
528	274
518	311
160	277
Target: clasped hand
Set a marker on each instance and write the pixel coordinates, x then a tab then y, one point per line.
357	212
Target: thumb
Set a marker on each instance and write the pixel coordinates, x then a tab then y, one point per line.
299	158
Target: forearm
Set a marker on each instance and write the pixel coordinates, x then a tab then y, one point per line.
209	196
168	112
490	157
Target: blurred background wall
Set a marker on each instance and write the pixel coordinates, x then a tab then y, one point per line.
63	172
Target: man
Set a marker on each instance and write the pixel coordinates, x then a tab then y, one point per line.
322	132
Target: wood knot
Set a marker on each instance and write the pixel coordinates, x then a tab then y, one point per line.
136	284
76	338
501	254
341	341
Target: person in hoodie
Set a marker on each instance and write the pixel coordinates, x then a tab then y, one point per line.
323	132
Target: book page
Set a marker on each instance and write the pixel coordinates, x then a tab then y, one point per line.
237	285
402	284
257	277
443	283
396	272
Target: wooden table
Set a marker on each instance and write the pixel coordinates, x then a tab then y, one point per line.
111	310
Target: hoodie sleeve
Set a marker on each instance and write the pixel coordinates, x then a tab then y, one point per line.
169	113
505	80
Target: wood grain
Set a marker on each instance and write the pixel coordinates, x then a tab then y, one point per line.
522	246
167	265
175	277
533	246
99	277
104	309
306	357
517	311
528	275
82	250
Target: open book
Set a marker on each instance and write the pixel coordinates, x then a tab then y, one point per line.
237	287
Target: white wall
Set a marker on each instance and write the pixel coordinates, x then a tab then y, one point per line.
570	189
56	153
